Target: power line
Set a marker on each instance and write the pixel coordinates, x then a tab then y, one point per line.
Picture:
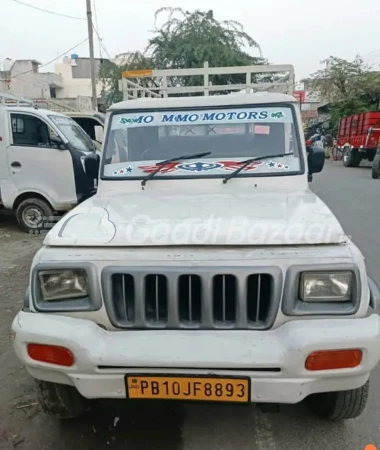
53	60
101	42
370	53
97	26
48	11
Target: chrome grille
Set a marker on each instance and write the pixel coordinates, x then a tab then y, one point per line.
237	298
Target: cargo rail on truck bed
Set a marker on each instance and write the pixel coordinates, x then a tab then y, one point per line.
169	82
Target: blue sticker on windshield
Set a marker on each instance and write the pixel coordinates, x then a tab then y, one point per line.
199	166
122	171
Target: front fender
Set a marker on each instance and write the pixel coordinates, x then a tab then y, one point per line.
374	299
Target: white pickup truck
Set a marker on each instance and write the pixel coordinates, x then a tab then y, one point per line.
204	269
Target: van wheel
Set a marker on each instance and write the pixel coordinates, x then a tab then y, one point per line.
376	167
32	214
60	400
340	405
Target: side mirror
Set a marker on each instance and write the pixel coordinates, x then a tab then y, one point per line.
57	142
91	165
315	160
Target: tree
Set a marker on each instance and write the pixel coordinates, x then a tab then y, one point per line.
350	86
110	74
185	40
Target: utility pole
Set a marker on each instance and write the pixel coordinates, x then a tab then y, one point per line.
92	62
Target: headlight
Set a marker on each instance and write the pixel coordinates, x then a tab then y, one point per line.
63	284
328	287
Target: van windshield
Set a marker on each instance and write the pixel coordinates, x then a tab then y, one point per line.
138	141
74	133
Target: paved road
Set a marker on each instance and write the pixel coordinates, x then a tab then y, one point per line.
353	196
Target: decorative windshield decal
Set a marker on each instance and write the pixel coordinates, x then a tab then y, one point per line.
234	165
168	168
202	166
246	115
199	166
122	171
277	165
277	115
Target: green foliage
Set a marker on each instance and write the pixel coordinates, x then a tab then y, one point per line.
185	40
110	74
350	86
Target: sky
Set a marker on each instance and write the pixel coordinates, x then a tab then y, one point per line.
289	32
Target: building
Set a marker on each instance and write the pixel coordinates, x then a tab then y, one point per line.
76	73
71	79
21	77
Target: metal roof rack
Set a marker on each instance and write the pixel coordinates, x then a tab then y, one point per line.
8	99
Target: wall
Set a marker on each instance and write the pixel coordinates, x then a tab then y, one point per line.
26	84
31	84
72	87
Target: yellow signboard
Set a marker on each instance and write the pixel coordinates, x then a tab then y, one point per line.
137	73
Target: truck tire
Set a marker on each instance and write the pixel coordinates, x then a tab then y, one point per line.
351	157
340	405
60	400
32	214
376	167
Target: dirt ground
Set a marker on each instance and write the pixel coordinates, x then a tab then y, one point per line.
17	397
23	426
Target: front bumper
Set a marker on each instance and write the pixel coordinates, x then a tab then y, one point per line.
274	360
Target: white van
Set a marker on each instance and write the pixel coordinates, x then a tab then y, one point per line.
41	164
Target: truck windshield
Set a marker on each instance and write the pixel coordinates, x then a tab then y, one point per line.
74	133
138	141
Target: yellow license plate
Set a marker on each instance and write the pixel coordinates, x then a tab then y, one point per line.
188	388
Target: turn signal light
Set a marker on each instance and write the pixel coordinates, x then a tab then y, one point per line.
334	359
51	354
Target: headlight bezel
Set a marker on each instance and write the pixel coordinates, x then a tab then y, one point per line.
90	302
292	305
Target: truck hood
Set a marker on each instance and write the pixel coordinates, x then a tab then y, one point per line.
237	217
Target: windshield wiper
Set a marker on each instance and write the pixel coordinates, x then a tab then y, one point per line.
162	164
245	163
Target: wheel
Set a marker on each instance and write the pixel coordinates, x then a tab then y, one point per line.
32	214
351	157
60	400
376	167
340	405
357	158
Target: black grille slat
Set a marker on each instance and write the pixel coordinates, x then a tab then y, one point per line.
123	292
156	298
190	299
224	299
146	299
259	294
